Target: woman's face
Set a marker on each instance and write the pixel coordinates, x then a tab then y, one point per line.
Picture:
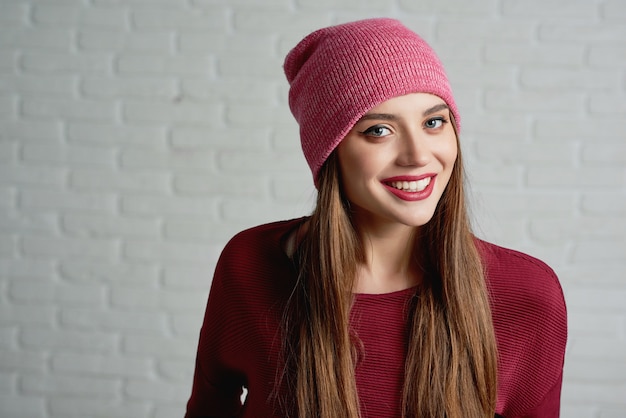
397	160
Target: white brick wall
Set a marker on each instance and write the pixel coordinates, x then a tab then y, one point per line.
137	136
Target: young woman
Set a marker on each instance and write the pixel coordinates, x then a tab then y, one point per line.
381	303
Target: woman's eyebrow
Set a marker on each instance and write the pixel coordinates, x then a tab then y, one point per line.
435	109
379	116
390	116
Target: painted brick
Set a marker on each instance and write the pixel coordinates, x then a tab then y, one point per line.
215	20
72	407
8	60
102	365
499	175
599	251
556	230
40	85
542	176
255	21
236	185
547	204
582	392
220	42
55	247
186	325
69	155
72	340
117	321
479	30
468	8
36	176
582	32
296	189
61	15
47	292
176	113
8	383
212	138
70	109
40	38
32	130
608	153
607	55
98	181
613	10
109	226
578	128
607	104
229	91
42	199
8	152
134	298
62	63
32	362
143	88
533	101
156	391
14	14
568	80
27	315
260	212
8	342
8	106
166	251
472	75
252	65
144	345
9	246
180	301
127	135
606	372
562	55
22	406
552	8
172	205
83	271
134	64
69	385
190	276
175	160
176	370
516	152
231	162
150	43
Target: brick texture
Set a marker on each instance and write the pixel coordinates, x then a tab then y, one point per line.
137	136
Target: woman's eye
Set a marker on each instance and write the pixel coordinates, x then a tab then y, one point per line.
377	131
435	123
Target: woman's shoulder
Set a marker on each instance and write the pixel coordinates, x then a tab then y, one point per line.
522	287
256	253
261	238
514	271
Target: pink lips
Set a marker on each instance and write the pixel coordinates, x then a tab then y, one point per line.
408	195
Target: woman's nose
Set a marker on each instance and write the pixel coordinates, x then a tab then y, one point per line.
413	150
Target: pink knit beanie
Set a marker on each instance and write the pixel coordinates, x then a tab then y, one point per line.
336	74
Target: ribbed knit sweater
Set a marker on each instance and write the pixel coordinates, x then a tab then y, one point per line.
240	343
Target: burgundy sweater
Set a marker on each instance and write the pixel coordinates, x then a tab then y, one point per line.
240	339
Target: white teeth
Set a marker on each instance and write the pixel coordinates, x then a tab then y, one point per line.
411	186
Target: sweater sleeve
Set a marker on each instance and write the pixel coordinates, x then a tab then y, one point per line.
530	320
217	384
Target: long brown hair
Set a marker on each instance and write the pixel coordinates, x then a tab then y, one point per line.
451	364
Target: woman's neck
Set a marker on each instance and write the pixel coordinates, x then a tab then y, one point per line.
390	264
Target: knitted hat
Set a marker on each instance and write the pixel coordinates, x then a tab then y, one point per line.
337	74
